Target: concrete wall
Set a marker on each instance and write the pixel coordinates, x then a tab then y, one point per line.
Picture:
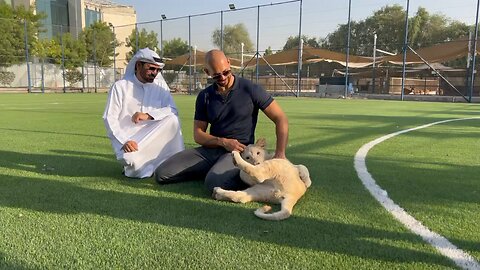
53	76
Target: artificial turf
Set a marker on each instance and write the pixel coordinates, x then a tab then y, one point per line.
65	204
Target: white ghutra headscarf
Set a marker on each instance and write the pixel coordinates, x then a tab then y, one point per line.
148	56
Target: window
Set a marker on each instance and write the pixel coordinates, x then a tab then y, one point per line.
91	16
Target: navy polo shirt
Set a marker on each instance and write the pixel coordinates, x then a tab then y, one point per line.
236	115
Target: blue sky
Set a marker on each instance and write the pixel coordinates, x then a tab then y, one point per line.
277	22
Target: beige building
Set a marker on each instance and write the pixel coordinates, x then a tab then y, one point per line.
114	15
74	15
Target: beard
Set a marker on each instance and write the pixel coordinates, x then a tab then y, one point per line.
223	83
149	78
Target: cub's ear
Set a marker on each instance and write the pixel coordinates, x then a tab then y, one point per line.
261	143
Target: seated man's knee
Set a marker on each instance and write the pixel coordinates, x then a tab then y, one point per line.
162	175
227	181
212	181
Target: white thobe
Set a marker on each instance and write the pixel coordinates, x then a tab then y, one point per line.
157	139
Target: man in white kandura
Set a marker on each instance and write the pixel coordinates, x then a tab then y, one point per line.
141	117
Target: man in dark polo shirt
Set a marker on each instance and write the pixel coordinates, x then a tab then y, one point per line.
230	106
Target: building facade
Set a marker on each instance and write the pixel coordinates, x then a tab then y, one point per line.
74	15
114	15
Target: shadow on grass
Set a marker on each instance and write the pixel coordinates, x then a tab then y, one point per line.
83	153
66	164
8	264
212	216
55	132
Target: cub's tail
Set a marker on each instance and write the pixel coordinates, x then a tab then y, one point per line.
280	215
284	213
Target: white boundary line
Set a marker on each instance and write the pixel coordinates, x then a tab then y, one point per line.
460	257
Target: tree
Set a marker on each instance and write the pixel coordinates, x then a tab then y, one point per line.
388	23
233	37
6	78
427	29
12	32
145	40
175	47
48	50
73	76
268	51
292	42
74	54
74	50
100	41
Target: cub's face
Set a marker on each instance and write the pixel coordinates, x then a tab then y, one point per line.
254	154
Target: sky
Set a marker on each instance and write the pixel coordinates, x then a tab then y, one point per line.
276	21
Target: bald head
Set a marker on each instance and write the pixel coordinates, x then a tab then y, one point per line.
217	65
216	58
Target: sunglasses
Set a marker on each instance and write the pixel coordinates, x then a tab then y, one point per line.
225	73
155	69
152	68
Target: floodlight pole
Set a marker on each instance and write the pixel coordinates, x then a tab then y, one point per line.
474	53
405	44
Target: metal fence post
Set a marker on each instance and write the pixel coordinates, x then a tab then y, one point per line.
63	58
194	67
405	44
27	56
221	30
88	79
190	55
258	38
83	78
94	61
474	50
161	38
348	47
300	52
374	60
136	38
114	54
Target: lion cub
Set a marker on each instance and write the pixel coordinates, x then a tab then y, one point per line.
271	180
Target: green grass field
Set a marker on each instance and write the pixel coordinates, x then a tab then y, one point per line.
65	204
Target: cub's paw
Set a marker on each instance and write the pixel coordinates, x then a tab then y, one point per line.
236	157
217	193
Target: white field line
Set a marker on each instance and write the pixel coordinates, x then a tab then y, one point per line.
460	257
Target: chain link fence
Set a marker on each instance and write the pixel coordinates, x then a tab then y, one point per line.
361	54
